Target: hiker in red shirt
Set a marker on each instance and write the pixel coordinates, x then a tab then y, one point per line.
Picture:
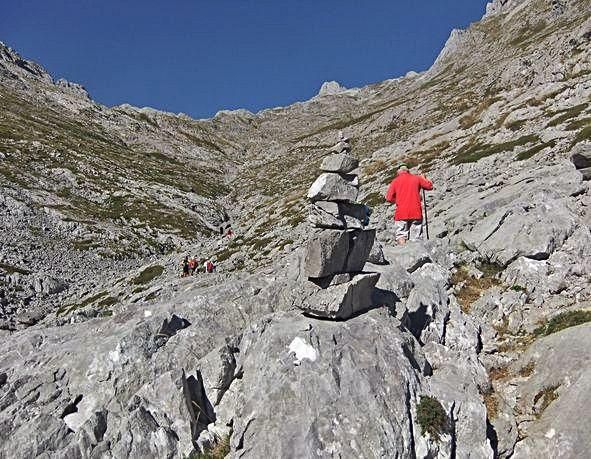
405	192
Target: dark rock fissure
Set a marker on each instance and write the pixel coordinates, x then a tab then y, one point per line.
72	407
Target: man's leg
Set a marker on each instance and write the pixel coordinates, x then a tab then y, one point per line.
416	230
402	227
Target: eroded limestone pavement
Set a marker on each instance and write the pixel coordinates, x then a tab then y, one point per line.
316	338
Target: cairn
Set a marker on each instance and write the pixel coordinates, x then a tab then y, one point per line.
333	259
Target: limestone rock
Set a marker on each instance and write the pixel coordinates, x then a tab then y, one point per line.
363	405
581	156
326	253
340	162
332	187
360	244
376	255
343	300
330	88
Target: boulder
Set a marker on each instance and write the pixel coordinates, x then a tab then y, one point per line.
332	187
586	173
581	156
376	254
346	389
558	387
343	300
326	253
340	162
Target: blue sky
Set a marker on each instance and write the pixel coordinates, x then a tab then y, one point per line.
199	57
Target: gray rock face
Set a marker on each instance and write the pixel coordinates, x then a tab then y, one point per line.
332	187
341	163
361	410
558	386
510	233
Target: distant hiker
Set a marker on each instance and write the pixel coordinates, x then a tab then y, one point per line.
405	192
209	267
192	265
230	233
185	264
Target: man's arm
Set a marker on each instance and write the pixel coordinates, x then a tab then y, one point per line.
391	193
425	183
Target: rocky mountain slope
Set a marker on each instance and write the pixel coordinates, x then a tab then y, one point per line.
106	352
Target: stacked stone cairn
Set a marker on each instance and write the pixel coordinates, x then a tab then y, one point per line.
333	259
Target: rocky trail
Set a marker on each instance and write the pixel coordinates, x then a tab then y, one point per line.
317	336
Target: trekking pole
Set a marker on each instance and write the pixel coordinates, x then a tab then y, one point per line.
426	219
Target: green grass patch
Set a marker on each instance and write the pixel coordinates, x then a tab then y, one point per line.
582	135
534	150
562	321
147	275
431	417
576	125
11	269
566	114
73	306
473	152
108	301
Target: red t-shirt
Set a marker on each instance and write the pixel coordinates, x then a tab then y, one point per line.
405	192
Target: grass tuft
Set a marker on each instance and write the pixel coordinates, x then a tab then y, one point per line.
562	321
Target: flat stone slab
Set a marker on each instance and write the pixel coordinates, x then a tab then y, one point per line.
338	215
343	300
332	187
341	162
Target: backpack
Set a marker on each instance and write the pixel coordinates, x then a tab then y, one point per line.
209	266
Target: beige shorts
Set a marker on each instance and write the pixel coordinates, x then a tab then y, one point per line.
411	230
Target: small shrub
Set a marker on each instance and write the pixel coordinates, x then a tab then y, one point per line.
561	321
431	416
518	288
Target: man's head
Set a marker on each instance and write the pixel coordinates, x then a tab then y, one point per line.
402	168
